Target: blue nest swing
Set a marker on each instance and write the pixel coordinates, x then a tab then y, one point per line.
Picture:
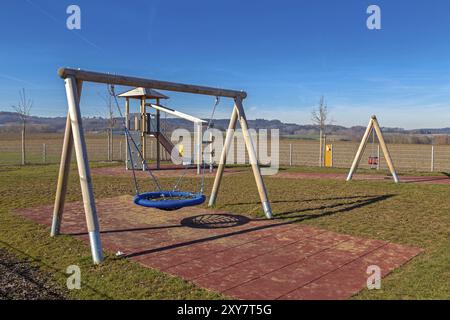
169	200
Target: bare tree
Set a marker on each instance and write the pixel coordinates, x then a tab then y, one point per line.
23	111
319	117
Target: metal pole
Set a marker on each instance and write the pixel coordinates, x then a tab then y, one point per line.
44	153
120	150
332	155
290	155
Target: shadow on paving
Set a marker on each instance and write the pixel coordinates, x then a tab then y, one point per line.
284	218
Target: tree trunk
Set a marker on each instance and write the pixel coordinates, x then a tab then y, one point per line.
108	151
320	148
23	144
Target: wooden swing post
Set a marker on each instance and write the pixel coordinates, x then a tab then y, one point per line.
238	113
76	134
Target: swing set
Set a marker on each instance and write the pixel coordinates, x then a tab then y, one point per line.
160	199
373	128
168	200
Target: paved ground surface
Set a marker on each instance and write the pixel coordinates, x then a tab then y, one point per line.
376	177
19	279
241	257
165	171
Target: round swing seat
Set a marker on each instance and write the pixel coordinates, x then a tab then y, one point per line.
169	200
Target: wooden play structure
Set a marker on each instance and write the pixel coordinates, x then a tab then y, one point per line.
373	128
148	124
74	138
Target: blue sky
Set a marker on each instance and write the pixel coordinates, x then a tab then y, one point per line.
285	54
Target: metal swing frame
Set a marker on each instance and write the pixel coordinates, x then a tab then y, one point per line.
74	139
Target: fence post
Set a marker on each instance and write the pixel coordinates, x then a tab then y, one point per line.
112	145
44	153
332	156
151	150
290	155
432	158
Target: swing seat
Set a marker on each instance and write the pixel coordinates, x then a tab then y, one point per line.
169	200
373	161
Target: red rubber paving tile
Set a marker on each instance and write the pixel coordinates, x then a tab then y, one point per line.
257	260
282	281
349	279
197	267
256	267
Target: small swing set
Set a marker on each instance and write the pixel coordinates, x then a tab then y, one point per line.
373	128
159	199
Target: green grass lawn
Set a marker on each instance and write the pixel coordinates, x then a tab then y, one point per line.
410	214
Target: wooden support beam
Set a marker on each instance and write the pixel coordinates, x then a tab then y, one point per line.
238	113
64	170
148	83
385	149
83	170
223	157
253	160
360	151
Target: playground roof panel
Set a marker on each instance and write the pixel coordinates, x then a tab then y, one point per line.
178	114
138	93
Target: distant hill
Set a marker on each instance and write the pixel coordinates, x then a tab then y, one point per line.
10	122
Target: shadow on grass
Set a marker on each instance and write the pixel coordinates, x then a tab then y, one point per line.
280	219
299	201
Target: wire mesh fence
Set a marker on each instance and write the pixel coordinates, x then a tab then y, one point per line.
407	157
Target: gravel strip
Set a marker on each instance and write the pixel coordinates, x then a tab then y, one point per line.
20	280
